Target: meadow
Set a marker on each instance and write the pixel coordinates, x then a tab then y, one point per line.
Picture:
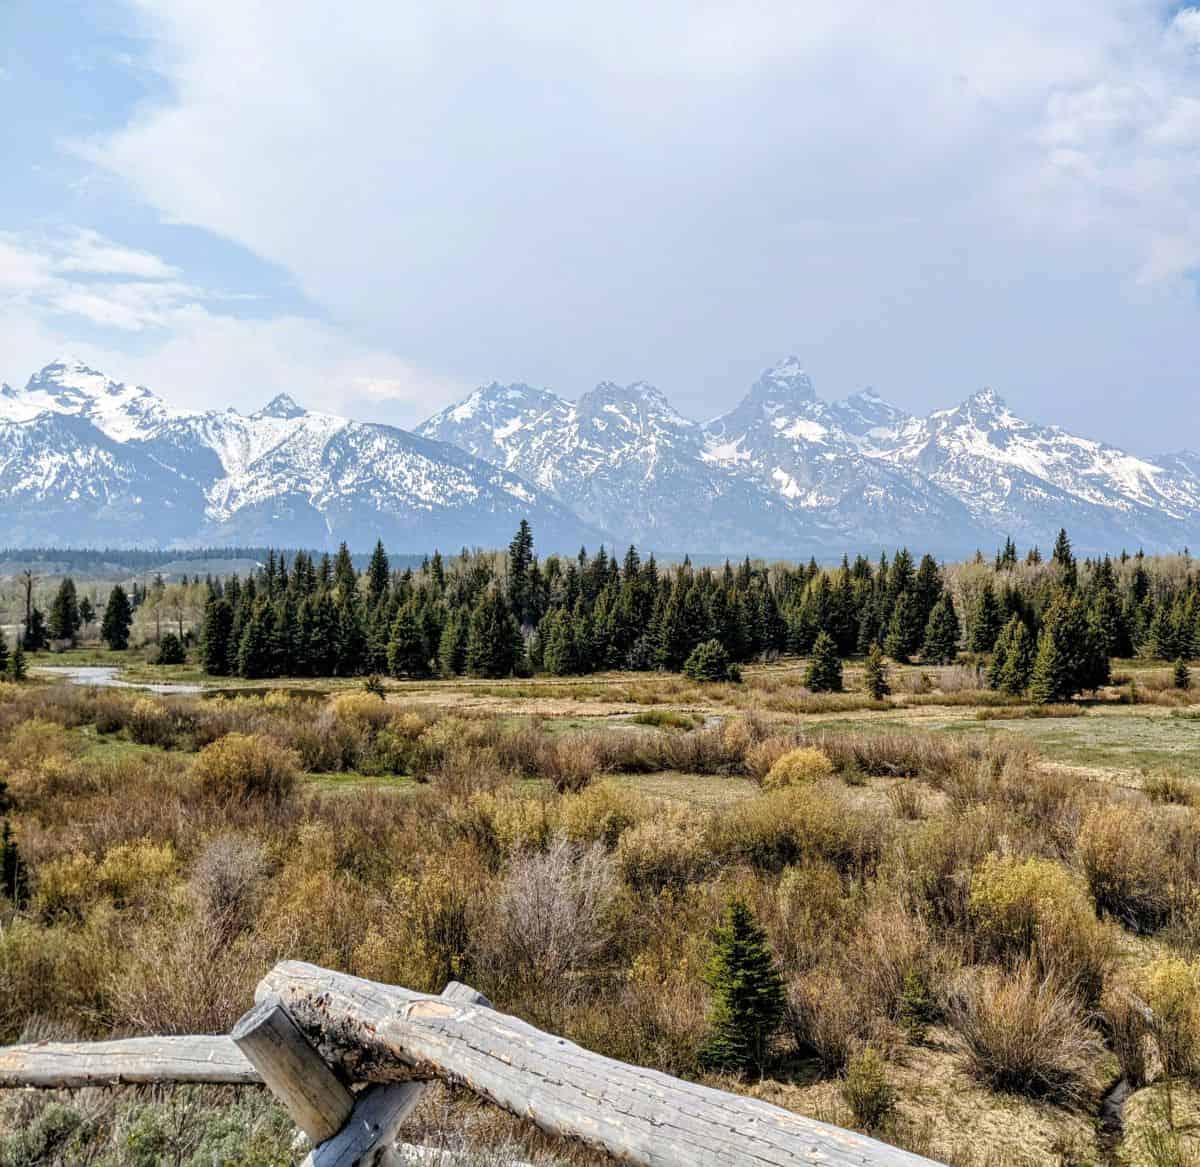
986	914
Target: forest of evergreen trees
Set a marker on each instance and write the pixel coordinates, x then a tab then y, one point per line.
1043	627
1046	627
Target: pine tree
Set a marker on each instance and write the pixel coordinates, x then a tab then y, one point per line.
1183	676
942	633
824	672
1012	662
875	675
118	616
36	638
748	997
13	881
16	664
4	658
452	645
986	621
494	645
87	614
710	662
904	631
170	650
64	612
378	575
406	655
214	635
1069	657
520	561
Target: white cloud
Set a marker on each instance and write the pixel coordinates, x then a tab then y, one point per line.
188	348
88	251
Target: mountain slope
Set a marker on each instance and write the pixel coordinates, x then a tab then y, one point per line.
84	459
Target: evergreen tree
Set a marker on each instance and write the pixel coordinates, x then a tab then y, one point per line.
13	880
406	650
36	638
378	575
494	646
520	563
1069	658
87	614
824	672
64	612
748	997
1012	662
170	650
215	633
4	662
118	617
452	645
986	621
16	664
254	651
1182	675
1064	558
904	631
942	633
875	675
709	661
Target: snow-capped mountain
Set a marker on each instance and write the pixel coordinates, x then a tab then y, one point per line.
623	452
88	460
1029	479
787	472
85	459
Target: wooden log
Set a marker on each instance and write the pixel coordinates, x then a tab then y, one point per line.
369	1135
294	1072
62	1065
640	1116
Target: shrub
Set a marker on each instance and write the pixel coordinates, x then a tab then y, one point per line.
667	719
669	849
65	886
225	877
828	1018
1025	1034
366	711
244	768
569	762
710	662
601	814
748	999
803	764
131	872
761	756
552	917
1030	907
866	1091
151	723
170	650
1172	990
1128	867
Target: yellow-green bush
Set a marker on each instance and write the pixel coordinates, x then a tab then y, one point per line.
243	767
65	886
601	813
365	711
1124	853
668	849
131	872
803	764
1172	990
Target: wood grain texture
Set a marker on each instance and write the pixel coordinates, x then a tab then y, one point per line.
380	1032
294	1072
53	1065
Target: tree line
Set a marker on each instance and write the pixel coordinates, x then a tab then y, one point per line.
1043	627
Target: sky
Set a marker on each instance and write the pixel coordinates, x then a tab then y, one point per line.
377	207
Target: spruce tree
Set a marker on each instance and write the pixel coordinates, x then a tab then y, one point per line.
710	662
170	650
378	575
941	633
494	645
87	614
1183	676
64	612
406	656
875	675
986	621
13	881
16	664
904	630
36	638
1011	667
118	616
520	561
3	656
824	672
452	645
214	635
747	995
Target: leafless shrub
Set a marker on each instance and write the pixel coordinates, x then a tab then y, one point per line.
225	878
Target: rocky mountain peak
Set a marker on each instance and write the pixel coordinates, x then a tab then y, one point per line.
281	406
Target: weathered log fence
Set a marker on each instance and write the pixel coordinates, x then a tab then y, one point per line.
349	1058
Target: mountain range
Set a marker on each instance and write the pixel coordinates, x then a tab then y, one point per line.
86	460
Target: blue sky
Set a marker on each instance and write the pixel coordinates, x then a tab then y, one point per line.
376	209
